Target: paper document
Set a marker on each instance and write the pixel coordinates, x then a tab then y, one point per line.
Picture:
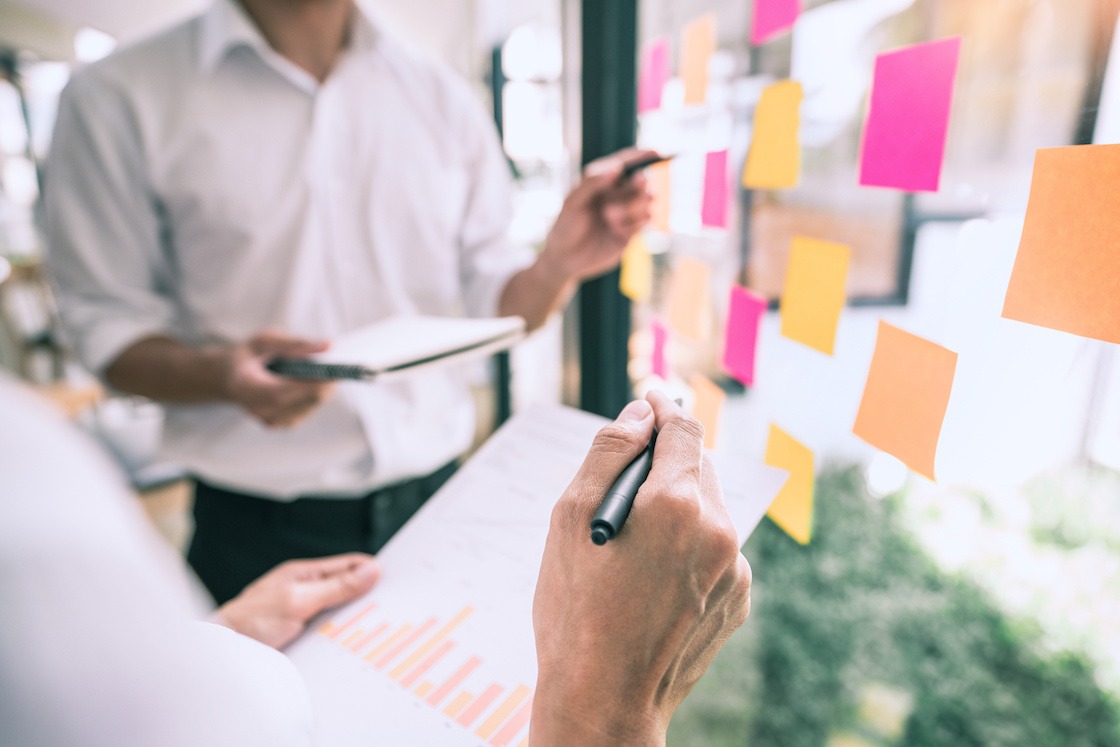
441	650
405	344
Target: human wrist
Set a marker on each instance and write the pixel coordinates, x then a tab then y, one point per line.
591	716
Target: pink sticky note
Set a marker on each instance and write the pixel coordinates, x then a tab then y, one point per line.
743	321
716	193
771	17
904	138
654	74
660	337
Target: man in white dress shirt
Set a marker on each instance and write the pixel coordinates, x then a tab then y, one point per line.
101	644
255	182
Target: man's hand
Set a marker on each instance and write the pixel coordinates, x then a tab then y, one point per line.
597	221
166	370
599	217
276	607
625	630
276	401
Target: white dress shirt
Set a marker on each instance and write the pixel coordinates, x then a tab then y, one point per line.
100	642
202	186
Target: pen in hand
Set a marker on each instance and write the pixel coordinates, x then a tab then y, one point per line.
614	509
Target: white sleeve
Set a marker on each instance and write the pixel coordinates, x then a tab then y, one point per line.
105	242
100	642
488	257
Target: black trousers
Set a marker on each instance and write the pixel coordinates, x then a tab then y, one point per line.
238	537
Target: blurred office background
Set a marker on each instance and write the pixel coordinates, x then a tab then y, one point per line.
983	609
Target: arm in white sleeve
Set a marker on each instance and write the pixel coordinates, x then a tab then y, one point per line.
106	254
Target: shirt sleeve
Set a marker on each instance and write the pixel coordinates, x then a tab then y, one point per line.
101	643
489	258
105	248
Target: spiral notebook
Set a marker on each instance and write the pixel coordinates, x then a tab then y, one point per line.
403	345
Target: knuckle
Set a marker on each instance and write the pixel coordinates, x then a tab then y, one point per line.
617	439
684	428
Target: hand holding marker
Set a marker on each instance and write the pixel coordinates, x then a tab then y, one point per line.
614	509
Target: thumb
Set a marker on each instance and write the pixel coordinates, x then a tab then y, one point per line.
343	586
280	344
615	446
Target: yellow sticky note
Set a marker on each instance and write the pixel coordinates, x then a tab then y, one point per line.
660	185
792	510
774	158
906	396
636	276
696	50
709	400
688	297
814	293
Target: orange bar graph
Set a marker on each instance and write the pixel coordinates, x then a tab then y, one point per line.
352	637
442	633
396	651
396	636
453	681
489	695
427	664
332	631
458	704
502	712
514	726
424	688
360	644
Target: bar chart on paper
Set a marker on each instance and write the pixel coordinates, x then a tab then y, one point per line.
441	650
425	660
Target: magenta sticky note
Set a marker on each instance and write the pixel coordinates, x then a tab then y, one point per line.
743	320
653	74
713	213
771	17
660	337
904	138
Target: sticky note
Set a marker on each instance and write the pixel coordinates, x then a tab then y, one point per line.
653	74
905	398
660	185
814	292
696	50
1067	272
774	158
746	310
792	510
660	338
636	273
713	211
908	118
771	17
688	297
708	402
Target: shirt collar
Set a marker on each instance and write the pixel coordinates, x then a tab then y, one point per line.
226	25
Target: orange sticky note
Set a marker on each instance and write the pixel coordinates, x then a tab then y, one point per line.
792	510
696	50
636	274
709	400
774	158
1067	271
814	292
688	297
660	184
906	396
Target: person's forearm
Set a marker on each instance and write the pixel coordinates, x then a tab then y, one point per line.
167	370
535	292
